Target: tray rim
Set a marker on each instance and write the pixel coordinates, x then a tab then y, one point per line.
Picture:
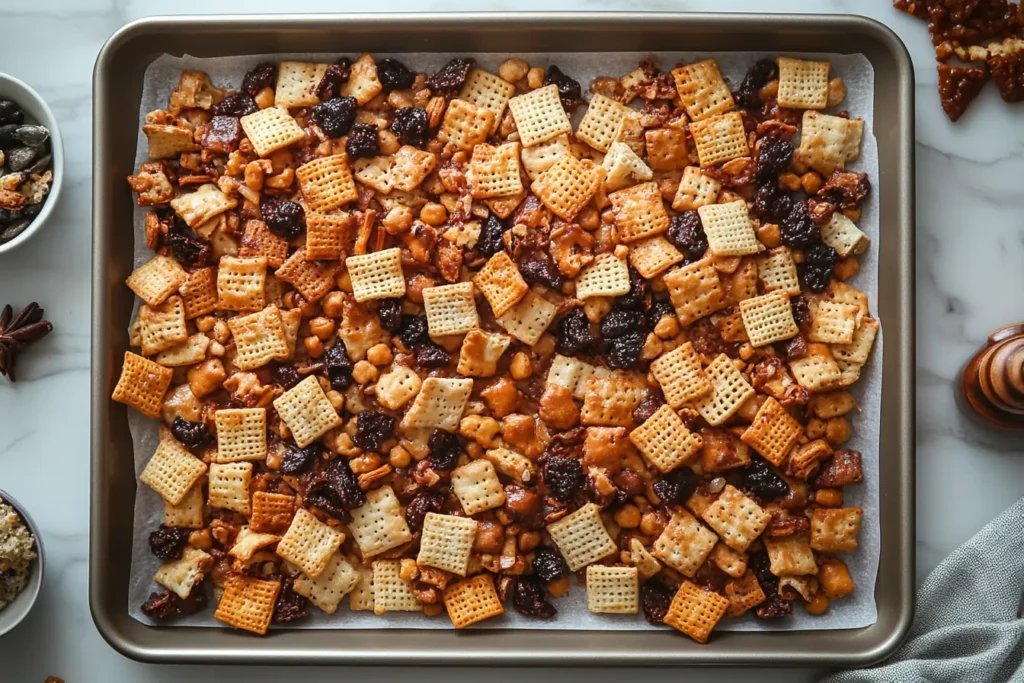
243	649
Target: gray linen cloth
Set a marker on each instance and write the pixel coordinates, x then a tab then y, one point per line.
967	625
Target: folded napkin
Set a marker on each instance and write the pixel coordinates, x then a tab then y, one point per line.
967	625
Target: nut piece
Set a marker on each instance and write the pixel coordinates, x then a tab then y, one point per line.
483	430
520	368
513	69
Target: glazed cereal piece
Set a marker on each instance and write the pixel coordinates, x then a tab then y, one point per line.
773	433
607	275
828	142
142	384
451	309
157	279
612	590
172	471
539	115
199	293
271	512
703	90
377	275
777	271
835	530
338	579
802	84
480	353
472	600
297	83
728	560
391	593
163	326
833	323
446	542
719	139
664	440
240	283
494	171
487	91
685	543
203	205
397	387
307	411
695	190
229	486
790	555
184	574
768	318
188	514
859	350
543	156
309	543
646	564
477	487
363	83
844	236
680	375
257	240
249	542
567	185
601	125
189	352
622	167
465	125
744	594
654	255
271	129
639	212
817	370
695	611
737	519
439	404
361	597
501	283
248	603
327	183
581	537
241	434
729	391
729	230
666	149
259	338
695	290
379	525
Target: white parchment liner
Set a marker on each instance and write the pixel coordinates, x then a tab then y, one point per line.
855	611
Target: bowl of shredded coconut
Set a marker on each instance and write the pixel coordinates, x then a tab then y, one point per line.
21	566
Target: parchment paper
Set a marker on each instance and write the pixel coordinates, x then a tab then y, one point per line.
855	611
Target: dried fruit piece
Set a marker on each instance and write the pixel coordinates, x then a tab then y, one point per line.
412	329
168	543
771	201
773	156
362	141
774	606
285	375
445	449
390	314
188	249
574	333
373	428
619	323
285	219
290	606
430	355
761	480
449	78
548	564
569	90
529	600
798	230
655	598
335	116
338	366
411	126
564	477
297	460
259	77
167	604
748	96
958	86
416	511
238	105
636	297
393	75
194	435
845	189
622	352
686	232
492	234
335	75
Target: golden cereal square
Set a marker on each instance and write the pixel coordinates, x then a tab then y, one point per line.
729	230
241	282
695	290
833	322
494	171
802	84
719	139
377	275
297	83
607	275
172	471
804	459
729	391
845	294
773	433
728	560
327	183
500	283
664	440
338	579
768	318
203	205
241	434
439	404
680	375
736	519
817	370
142	384
397	387
566	371
307	411
790	555
361	597
602	123
229	486
271	512
828	142
446	542
480	352
646	564
259	338
639	212
271	129
702	89
410	167
666	149
777	271
612	590
199	293
835	530
539	115
375	173
312	279
581	537
257	240
487	91
185	573
451	309
744	593
327	236
472	601
157	279
378	525
859	349
622	167
609	401
685	543
188	514
567	185
844	236
465	125
695	611
390	592
540	158
248	603
695	190
528	319
363	83
477	487
188	352
163	326
309	543
502	207
653	256
249	542
168	142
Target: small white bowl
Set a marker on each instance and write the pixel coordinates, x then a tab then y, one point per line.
18	609
36	112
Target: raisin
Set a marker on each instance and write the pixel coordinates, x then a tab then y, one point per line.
763	481
373	428
285	375
416	511
430	355
618	323
412	329
677	486
529	600
390	313
411	126
394	75
821	255
259	77
289	606
797	229
338	366
283	218
335	116
774	606
491	239
569	90
845	189
449	79
537	268
168	543
648	406
445	450
297	460
623	352
188	249
548	564
194	435
958	86
574	334
772	202
757	77
333	77
636	297
343	484
659	309
238	105
795	348
813	277
362	141
801	310
167	604
773	156
564	477
655	598
687	232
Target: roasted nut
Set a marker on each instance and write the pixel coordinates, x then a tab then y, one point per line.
834	579
628	516
838	431
314	347
333	304
200	538
846	268
379	354
836	92
817	605
398	220
364	372
490	537
399	458
480	429
667	327
520	367
535	78
370	479
206	377
769	235
367	462
513	69
652	347
789	181
265	98
597	307
811	182
829	498
521	431
558	587
653	523
433	214
322	327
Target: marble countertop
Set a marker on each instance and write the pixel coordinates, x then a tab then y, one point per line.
970	247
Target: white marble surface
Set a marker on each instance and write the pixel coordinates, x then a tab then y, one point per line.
970	247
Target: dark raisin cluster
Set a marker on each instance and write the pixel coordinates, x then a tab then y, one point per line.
801	310
771	201
655	599
285	375
636	298
167	604
363	141
283	218
338	366
393	75
687	232
335	116
424	502
648	406
445	450
564	477
618	323
529	599
797	229
373	428
537	268
774	606
259	77
569	90
623	352
450	78
411	126
194	435
761	480
492	234
574	334
773	156
188	249
335	490
548	564
298	460
412	329
335	75
677	486
239	104
289	606
390	313
168	543
430	355
756	78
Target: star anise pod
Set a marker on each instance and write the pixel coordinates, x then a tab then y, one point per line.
17	333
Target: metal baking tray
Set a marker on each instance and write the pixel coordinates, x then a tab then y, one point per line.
117	88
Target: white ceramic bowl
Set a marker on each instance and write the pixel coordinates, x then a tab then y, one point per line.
14	613
37	112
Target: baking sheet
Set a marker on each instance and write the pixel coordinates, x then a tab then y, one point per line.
855	611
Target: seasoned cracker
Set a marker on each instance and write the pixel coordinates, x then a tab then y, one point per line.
777	271
543	156
703	90
188	514
477	487
859	350
439	404
446	542
229	486
307	411
397	387
817	370
185	573
379	525
241	434
539	115
612	590
363	83
199	293
680	375
653	256
203	205
828	142
248	603
157	279
297	83
729	391
494	171
271	512
622	167
377	275
500	283
695	611
309	543
844	236
390	592
142	384
835	530
327	183
665	441
162	327
472	601
790	555
581	537
737	519
328	236
240	283
528	319
480	352
639	212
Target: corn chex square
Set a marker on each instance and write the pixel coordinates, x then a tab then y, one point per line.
501	284
312	279
612	590
156	279
835	530
609	400
188	514
259	338
695	190
790	555
472	601
773	433
702	89
446	542
378	524
695	290
375	173
377	275
664	440
258	240
466	125
241	434
719	138
487	91
271	512
390	592
338	579
439	404
817	370
480	352
728	560
540	158
665	147
203	205
607	275
307	411
844	236
494	171
162	327
309	543
502	207
249	542
602	123
410	167
695	611
680	375
199	293
567	185
271	129
248	603
833	322
685	543
581	537
142	384
539	115
729	391
528	319
241	282
777	270
228	486
639	212
172	471
737	519
183	574
768	318
363	83
802	84
451	309
328	236
744	593
729	230
623	167
297	83
653	256
477	487
828	142
327	183
859	349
